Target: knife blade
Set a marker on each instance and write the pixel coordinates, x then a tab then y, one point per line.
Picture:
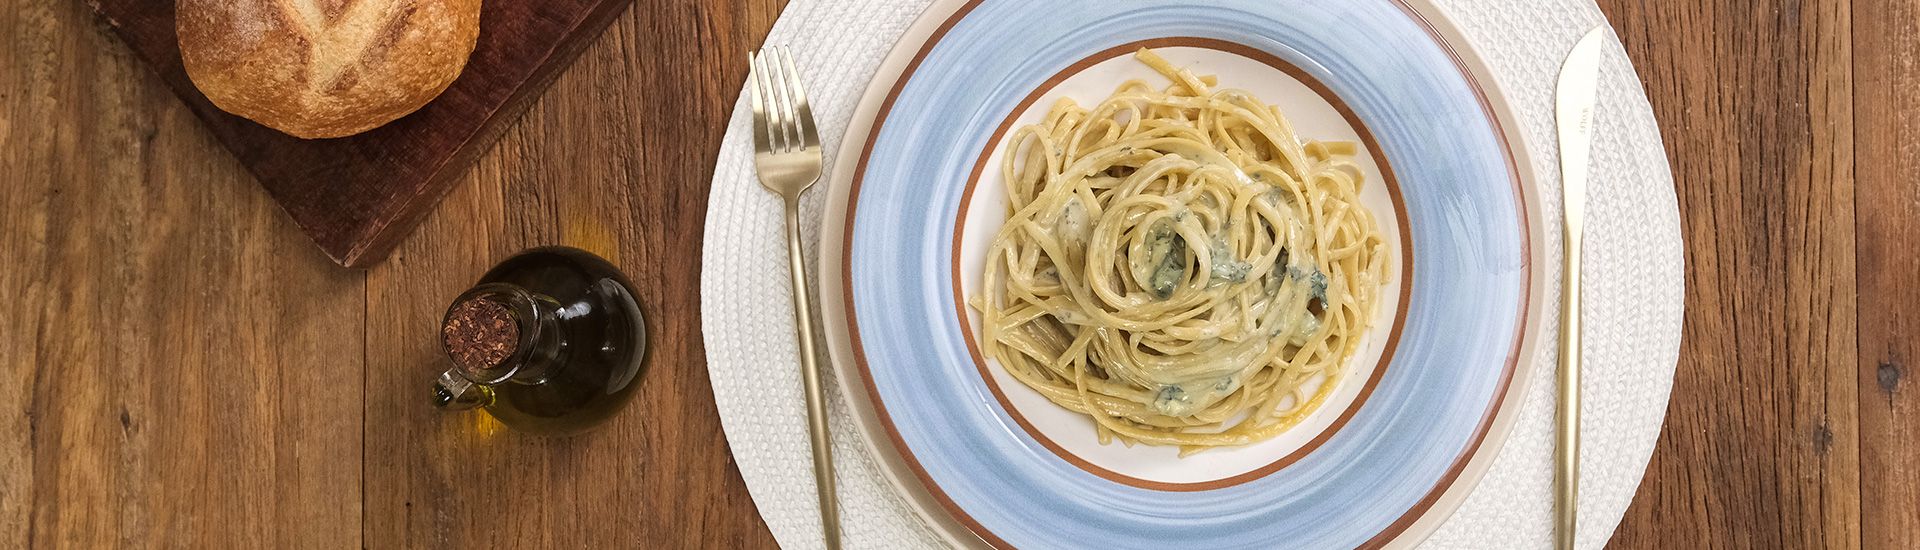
1573	114
1574	104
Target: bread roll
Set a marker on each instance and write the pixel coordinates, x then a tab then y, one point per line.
325	68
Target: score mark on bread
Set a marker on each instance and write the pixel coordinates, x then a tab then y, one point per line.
325	68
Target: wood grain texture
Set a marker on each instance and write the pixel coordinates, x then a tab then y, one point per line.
1761	446
1887	69
181	369
1761	442
360	195
609	162
172	346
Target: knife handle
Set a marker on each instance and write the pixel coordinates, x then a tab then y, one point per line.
1566	489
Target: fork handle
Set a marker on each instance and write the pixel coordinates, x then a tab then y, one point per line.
810	377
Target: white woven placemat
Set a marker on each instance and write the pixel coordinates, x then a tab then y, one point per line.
1633	278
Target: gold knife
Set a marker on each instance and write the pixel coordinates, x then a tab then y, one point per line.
1573	113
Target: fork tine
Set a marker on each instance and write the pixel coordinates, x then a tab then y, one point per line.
776	124
776	105
760	127
803	111
784	102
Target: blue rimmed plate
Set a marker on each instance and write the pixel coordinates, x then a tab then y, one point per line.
1406	433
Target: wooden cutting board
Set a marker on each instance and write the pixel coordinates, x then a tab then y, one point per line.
360	195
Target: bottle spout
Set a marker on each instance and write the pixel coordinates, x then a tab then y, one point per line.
453	392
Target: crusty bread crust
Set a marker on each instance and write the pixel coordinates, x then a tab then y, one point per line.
325	68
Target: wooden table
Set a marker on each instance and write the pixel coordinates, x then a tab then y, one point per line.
179	367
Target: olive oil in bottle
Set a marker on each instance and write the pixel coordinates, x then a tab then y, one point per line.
551	341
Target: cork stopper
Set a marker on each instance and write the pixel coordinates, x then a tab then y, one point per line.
480	334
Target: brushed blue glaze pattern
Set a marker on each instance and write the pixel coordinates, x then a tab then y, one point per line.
1468	277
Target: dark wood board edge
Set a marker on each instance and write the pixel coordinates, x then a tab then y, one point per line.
381	239
372	243
167	66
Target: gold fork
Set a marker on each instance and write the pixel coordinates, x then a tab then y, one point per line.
786	152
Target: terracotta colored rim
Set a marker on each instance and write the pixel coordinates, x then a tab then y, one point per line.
1380	539
1366	137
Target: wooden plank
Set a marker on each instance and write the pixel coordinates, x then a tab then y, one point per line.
604	163
173	348
1887	105
1761	446
358	196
